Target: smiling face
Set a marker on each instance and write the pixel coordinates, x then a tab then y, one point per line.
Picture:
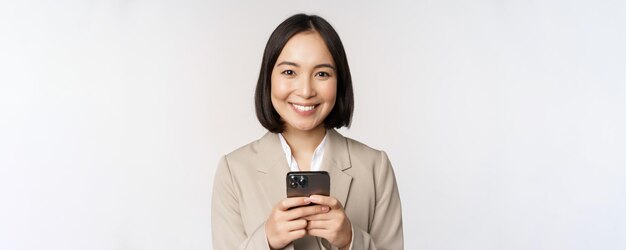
304	83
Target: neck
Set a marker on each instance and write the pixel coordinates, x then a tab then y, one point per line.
304	141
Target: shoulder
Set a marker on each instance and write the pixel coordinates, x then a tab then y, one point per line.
244	151
265	149
361	149
361	153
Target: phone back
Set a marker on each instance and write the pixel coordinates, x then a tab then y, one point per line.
307	183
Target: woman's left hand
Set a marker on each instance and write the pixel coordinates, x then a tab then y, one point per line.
333	226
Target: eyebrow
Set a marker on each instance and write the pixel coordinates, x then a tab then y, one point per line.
323	65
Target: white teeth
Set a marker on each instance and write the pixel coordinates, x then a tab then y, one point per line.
303	108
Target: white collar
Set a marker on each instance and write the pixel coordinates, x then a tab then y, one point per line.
316	160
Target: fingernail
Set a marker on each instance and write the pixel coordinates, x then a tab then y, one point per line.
307	200
324	208
312	199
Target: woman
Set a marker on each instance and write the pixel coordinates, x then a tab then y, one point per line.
303	93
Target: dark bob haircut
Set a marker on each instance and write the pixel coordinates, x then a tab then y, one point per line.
341	115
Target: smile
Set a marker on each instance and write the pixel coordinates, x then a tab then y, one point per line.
304	109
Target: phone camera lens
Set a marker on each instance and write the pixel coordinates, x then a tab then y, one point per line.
293	181
302	181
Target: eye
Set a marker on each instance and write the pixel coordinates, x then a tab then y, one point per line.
288	72
323	74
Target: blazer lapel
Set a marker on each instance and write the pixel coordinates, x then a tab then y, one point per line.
272	169
336	160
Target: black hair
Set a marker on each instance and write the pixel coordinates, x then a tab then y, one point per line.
341	115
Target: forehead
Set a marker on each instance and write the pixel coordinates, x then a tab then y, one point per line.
306	48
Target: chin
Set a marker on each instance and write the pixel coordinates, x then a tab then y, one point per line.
306	127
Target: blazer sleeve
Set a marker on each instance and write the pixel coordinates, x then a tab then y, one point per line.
227	227
386	228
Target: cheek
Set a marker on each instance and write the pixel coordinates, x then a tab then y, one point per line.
329	92
279	89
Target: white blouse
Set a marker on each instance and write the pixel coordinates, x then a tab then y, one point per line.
316	160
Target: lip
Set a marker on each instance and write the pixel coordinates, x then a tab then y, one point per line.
305	104
301	112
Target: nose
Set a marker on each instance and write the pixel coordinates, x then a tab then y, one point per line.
307	89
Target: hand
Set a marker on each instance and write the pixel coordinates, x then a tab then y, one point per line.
333	226
286	223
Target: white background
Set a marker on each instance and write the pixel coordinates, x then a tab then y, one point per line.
505	120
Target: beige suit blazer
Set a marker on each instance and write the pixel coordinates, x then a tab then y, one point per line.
251	180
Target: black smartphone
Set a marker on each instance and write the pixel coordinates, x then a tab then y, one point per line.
307	183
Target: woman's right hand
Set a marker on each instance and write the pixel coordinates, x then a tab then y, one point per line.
286	222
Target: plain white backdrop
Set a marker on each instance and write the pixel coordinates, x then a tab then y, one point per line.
504	120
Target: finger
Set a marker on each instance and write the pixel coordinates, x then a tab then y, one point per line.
305	211
321	217
288	203
294	235
322	233
293	225
317	225
325	200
